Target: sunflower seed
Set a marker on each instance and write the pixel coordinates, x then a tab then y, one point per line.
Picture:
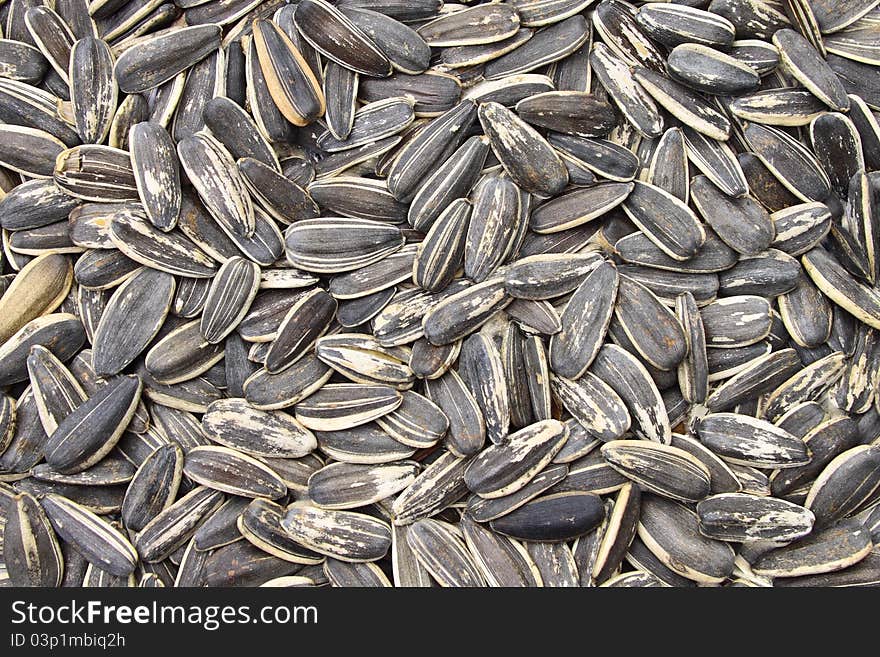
153	487
31	550
584	322
824	551
550	44
847	485
671	534
88	434
98	541
343	535
175	524
526	156
271	434
260	524
161	57
631	381
342	406
553	517
348	486
800	60
211	170
504	468
749	441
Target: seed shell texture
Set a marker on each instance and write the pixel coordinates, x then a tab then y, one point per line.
91	431
504	468
93	537
131	319
623	372
234	472
338	38
212	171
93	89
584	323
671	533
344	535
157	173
31	550
160	57
661	469
526	156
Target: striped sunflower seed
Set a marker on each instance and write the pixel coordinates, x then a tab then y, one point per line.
348	486
153	487
31	550
344	535
232	471
94	538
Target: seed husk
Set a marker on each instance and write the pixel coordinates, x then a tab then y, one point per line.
526	156
745	440
337	37
342	406
175	524
665	220
157	173
584	323
161	57
31	550
349	486
98	541
344	535
806	65
503	561
232	290
553	517
548	45
270	434
153	487
38	289
671	533
133	316
631	381
260	524
831	549
741	517
89	433
661	469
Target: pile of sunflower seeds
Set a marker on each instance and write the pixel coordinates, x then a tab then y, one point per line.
398	292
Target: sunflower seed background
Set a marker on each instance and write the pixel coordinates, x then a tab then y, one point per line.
508	293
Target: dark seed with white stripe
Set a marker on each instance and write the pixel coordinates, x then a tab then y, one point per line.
665	220
31	551
584	323
132	318
157	173
232	471
348	486
526	156
343	535
94	89
631	381
749	441
161	57
831	549
89	433
93	537
661	469
341	406
229	298
740	517
153	488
